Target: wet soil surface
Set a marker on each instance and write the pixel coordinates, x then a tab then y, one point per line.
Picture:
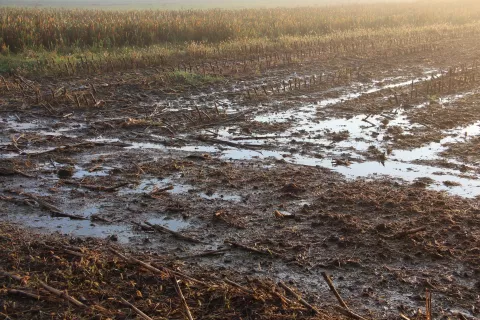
77	278
365	170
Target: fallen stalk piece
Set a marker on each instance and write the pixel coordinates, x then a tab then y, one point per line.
182	298
62	294
207	254
94	187
56	212
173	233
239	286
24	293
346	309
335	292
254	250
11	172
299	298
229	143
138	311
156	270
11	275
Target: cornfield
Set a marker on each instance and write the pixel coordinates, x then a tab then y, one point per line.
66	30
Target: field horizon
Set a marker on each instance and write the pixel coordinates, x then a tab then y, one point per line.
181	4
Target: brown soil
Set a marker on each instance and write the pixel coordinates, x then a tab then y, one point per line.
92	278
120	150
467	152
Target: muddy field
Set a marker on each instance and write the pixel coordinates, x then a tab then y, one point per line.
363	167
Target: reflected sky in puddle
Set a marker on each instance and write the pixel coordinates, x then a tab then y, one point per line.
170	223
410	172
8	155
89	211
80	173
148	185
219	196
207	149
431	151
45	128
81	228
394	169
306	112
146	145
23	126
364	131
306	123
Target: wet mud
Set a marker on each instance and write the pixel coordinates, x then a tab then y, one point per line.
370	174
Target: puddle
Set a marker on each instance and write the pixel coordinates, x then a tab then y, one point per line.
206	149
149	185
51	128
315	136
371	169
77	228
411	172
23	153
431	151
363	133
8	155
80	173
146	145
18	125
356	90
400	170
170	223
89	211
219	196
105	140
